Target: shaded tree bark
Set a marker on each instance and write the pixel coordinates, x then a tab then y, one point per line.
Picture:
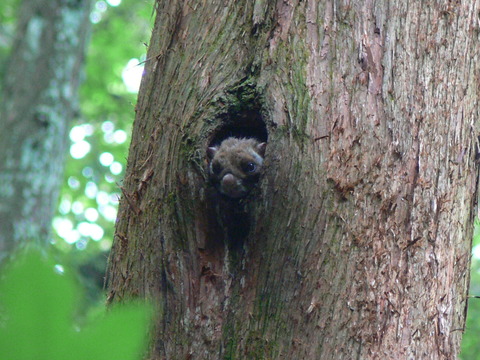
356	245
39	99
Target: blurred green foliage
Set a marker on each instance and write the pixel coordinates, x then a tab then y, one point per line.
8	20
101	133
38	301
84	223
471	342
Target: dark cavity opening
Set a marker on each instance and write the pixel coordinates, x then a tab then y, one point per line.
241	114
243	124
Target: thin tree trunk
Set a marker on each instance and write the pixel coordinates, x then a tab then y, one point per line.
357	243
39	99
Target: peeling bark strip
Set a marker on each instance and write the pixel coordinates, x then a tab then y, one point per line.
38	101
359	240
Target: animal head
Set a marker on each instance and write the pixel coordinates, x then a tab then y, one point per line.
235	165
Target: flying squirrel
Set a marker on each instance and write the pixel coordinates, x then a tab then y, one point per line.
235	165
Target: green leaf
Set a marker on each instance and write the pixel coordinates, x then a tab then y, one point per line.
37	304
123	332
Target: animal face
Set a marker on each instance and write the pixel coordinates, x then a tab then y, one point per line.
236	165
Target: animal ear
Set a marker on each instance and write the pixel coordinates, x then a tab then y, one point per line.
261	149
211	152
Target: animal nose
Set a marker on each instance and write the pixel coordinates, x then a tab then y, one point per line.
228	180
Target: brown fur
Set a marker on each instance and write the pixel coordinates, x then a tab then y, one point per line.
235	165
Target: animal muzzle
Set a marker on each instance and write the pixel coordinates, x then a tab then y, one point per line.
232	186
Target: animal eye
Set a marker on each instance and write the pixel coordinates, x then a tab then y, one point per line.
216	168
250	167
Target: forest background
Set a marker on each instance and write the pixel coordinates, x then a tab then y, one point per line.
83	225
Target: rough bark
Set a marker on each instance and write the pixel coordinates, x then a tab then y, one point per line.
39	99
357	243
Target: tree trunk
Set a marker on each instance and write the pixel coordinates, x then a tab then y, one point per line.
356	244
39	99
